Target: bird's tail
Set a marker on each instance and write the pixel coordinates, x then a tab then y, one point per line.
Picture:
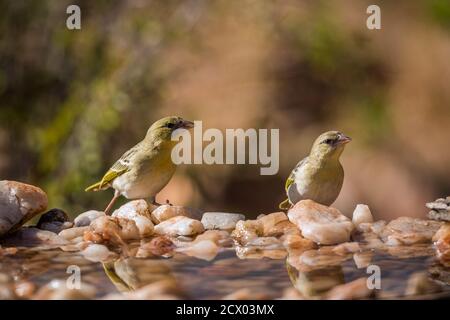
95	187
285	205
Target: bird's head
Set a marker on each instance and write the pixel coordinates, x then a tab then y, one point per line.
163	128
329	145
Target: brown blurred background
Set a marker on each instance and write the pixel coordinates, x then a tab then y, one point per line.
73	101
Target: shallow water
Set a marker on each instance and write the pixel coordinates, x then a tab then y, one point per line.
199	279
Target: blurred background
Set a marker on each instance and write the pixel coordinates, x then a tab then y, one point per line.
72	101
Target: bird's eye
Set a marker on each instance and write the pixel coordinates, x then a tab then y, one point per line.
170	125
328	141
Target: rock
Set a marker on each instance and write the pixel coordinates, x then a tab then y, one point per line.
19	202
84	219
221	220
442	244
247	231
270	221
166	211
98	253
283	228
353	290
112	230
319	223
297	242
204	249
139	212
407	231
346	248
420	284
59	290
362	214
179	226
72	233
440	209
30	236
158	246
55	221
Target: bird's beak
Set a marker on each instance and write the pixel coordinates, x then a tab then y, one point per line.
343	139
186	124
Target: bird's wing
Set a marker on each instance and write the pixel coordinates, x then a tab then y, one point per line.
120	166
291	179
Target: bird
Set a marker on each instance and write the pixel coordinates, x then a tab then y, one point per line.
142	171
319	176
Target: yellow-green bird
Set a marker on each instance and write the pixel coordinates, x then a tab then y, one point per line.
146	168
320	175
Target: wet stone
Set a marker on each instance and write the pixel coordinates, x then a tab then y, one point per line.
221	220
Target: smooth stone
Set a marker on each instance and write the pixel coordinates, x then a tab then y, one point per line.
221	220
84	219
407	231
319	223
179	226
362	214
247	231
166	211
139	212
72	233
19	202
270	221
442	244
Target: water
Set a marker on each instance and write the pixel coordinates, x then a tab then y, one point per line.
227	273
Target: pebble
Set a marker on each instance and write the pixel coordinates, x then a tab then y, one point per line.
247	231
179	226
362	214
72	233
221	220
442	244
139	212
319	223
167	211
19	202
407	231
84	219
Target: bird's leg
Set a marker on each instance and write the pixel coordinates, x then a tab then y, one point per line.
111	203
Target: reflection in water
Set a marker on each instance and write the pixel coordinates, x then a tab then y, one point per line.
315	282
131	274
311	273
